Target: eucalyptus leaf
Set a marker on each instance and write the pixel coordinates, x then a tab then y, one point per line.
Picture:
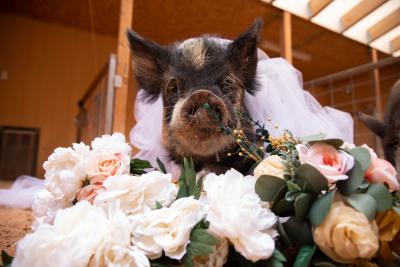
158	205
314	137
284	208
279	196
363	156
320	208
278	255
302	205
363	203
310	175
293	187
337	143
267	187
304	256
356	177
382	196
299	232
282	233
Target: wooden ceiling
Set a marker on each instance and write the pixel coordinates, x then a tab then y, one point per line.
166	21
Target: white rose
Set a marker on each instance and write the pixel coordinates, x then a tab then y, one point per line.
45	207
115	249
235	211
167	229
272	165
73	238
110	156
65	170
138	194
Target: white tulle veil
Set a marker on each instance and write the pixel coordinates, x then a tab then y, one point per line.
280	97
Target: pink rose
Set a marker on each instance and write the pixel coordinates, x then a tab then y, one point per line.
108	166
381	171
90	192
332	163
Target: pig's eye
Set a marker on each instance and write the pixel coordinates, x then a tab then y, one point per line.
172	88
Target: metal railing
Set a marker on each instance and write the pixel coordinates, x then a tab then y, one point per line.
95	116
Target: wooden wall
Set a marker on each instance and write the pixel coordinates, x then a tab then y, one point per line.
49	68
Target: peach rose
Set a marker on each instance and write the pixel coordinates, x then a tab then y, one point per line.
346	235
108	166
381	171
90	192
333	164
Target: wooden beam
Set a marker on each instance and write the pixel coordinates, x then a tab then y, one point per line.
275	47
286	36
384	25
395	44
317	6
123	67
359	11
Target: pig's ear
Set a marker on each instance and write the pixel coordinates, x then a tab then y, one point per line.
376	126
150	61
242	53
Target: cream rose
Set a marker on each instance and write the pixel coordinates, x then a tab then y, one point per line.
115	249
346	235
90	192
333	164
65	170
167	229
272	165
235	211
138	193
381	171
45	207
73	238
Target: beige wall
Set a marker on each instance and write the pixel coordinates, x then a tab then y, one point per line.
49	68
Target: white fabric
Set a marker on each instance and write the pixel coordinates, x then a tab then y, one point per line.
280	97
21	193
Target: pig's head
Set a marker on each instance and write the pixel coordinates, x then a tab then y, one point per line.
189	74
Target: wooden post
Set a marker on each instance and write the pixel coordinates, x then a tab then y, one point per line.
286	34
123	68
378	100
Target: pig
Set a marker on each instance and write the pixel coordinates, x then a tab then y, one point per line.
193	74
388	129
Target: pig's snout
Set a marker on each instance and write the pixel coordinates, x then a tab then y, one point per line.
194	107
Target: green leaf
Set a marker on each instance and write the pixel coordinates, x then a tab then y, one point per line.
304	256
356	177
5	258
138	166
291	195
299	232
158	205
308	174
267	187
314	137
183	189
302	205
337	143
364	203
382	196
200	249
283	208
282	233
320	208
198	187
278	255
202	236
161	166
190	174
293	187
362	155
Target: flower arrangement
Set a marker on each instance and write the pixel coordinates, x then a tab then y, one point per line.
311	202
